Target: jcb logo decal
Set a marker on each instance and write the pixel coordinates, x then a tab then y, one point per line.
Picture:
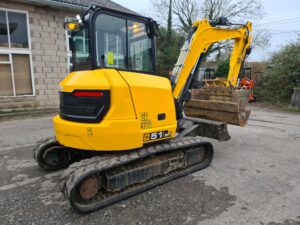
147	137
90	132
156	135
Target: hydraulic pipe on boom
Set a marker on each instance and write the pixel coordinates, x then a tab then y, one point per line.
202	35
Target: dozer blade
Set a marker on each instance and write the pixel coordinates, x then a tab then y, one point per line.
219	103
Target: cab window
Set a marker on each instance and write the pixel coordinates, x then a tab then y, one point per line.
110	41
140	47
123	44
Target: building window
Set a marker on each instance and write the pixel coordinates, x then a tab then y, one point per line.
15	54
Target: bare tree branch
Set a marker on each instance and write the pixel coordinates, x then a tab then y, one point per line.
187	11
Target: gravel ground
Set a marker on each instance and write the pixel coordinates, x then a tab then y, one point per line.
254	179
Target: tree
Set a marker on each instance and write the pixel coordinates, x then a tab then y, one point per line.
167	52
277	83
223	68
187	11
184	12
169	27
168	45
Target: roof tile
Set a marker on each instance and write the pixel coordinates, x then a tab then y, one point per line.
104	3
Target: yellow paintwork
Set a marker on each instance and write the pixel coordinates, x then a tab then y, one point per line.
83	80
107	135
203	38
136	101
151	94
121	105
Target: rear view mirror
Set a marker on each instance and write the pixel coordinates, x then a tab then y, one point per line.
155	28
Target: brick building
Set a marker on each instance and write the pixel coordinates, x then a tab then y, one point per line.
34	53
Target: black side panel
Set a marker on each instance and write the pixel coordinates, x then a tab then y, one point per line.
85	109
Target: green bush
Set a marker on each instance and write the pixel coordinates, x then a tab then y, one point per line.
168	49
277	83
223	68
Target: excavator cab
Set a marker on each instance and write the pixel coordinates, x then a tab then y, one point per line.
204	74
110	39
114	89
104	38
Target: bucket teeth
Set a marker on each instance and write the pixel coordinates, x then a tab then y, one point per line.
219	103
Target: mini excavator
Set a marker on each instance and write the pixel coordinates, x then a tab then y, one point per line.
121	129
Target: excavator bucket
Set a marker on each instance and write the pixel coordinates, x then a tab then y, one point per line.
218	102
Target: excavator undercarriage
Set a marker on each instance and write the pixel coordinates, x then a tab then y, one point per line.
95	180
101	181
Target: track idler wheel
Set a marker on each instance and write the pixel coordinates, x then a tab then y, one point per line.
51	156
89	187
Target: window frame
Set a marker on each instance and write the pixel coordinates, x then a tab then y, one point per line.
69	51
126	17
21	51
88	65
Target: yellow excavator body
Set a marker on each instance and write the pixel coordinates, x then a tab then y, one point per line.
117	115
141	111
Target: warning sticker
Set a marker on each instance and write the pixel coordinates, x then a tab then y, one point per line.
145	121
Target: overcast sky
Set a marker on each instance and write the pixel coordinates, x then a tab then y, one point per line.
282	19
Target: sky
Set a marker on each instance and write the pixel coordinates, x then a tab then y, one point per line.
282	22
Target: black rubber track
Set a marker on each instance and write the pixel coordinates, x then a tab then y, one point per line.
77	172
38	152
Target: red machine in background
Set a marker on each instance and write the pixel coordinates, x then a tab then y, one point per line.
247	83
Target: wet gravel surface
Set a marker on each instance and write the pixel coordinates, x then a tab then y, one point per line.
254	179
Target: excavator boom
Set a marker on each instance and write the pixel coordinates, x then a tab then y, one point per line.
219	100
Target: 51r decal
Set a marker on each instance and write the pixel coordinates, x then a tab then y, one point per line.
156	135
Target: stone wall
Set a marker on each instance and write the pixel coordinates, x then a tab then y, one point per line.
49	56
